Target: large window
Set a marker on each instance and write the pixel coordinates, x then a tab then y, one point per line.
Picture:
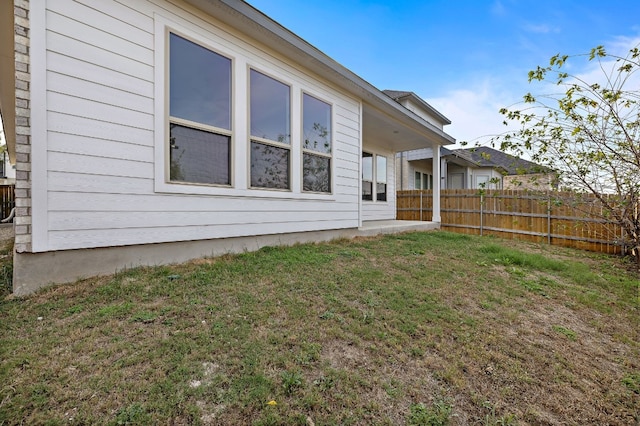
209	94
316	145
270	116
199	114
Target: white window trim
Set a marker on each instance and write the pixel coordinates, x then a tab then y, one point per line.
240	137
162	183
386	179
374	181
270	142
303	151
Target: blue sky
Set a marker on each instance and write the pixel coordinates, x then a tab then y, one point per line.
466	58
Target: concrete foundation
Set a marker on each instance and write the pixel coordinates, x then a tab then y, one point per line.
33	271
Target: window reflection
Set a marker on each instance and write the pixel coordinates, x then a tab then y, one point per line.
269	166
198	156
199	84
270	108
316	173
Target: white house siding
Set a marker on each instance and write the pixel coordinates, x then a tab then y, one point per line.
382	210
102	137
420	111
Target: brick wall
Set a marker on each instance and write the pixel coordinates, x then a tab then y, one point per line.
23	128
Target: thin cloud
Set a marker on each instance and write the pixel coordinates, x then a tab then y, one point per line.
541	29
474	111
498	9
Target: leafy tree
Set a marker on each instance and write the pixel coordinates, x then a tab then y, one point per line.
589	132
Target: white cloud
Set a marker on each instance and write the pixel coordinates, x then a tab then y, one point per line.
474	111
474	108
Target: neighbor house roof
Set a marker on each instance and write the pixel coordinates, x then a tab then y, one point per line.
399	95
485	156
461	158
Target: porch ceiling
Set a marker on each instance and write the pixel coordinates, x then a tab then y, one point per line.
380	129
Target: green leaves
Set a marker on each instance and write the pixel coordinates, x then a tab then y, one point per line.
589	132
597	52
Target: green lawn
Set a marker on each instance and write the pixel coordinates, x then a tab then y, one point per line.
419	328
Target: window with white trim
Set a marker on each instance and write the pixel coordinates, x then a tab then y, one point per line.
316	145
270	118
418	180
199	114
374	177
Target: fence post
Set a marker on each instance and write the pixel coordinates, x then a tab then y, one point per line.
549	219
481	213
420	206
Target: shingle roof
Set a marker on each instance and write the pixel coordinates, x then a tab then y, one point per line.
396	94
489	157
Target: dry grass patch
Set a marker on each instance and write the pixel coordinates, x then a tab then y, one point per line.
420	328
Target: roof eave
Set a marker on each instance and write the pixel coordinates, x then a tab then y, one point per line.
256	24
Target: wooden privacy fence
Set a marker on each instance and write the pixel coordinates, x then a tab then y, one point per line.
556	218
7	200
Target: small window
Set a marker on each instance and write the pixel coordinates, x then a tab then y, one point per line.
381	178
270	109
418	180
367	176
199	114
483	181
316	145
427	180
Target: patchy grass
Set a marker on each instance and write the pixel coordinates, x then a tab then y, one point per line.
419	328
6	267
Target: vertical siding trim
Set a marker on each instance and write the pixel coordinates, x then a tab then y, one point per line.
39	198
160	101
361	146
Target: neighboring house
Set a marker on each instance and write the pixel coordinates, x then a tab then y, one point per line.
473	168
417	172
156	131
7	170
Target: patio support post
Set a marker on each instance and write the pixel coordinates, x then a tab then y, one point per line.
437	181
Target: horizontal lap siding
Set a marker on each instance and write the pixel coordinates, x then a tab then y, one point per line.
100	140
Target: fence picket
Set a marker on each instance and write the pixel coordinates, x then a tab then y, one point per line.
558	218
7	200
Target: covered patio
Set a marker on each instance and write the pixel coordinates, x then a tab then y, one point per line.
378	227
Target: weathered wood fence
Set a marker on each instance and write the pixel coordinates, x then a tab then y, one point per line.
556	218
7	200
